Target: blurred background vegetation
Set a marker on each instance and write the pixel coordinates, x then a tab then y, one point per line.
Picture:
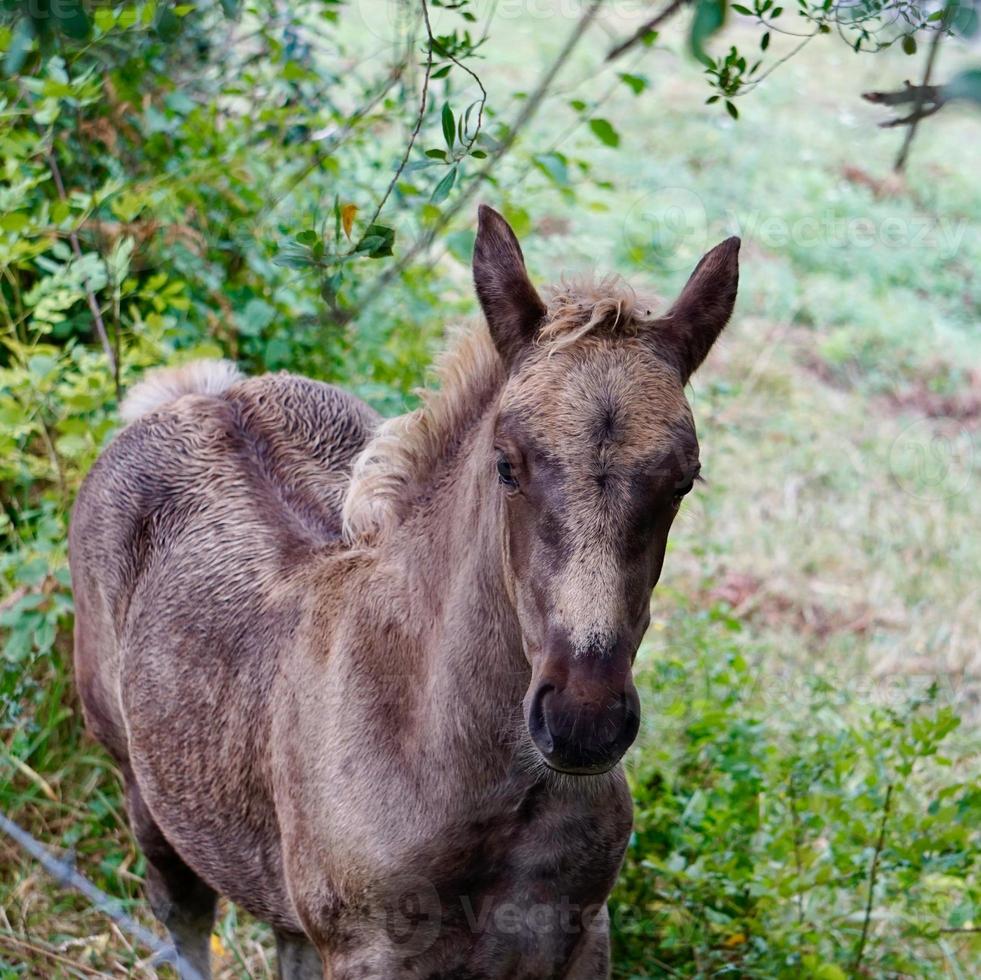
293	186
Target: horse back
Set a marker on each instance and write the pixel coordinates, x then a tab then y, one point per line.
266	460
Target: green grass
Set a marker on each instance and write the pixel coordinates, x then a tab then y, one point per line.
816	587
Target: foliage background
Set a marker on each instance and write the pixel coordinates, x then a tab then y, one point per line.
806	786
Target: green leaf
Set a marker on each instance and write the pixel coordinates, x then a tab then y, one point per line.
20	47
828	971
104	19
709	17
14	221
256	316
168	26
603	130
292	256
963	19
72	19
909	44
636	83
449	126
732	110
72	445
443	188
555	166
377	242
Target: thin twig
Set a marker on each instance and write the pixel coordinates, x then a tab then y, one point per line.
48	439
652	25
423	102
749	86
798	840
660	964
483	98
918	113
12	598
335	141
78	968
554	145
100	326
528	111
873	871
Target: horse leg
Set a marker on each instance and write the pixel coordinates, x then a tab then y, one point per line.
298	958
592	959
178	897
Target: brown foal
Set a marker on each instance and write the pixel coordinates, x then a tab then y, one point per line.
372	680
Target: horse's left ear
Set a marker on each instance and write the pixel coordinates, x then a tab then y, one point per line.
513	309
696	319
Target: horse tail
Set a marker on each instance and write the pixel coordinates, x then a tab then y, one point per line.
164	385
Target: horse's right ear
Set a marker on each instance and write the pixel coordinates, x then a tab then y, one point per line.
513	309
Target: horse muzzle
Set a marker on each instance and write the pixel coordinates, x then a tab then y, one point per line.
583	719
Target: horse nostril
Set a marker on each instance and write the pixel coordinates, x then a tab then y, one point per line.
630	726
538	723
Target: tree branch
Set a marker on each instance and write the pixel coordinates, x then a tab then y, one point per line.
925	99
879	845
652	25
903	96
918	113
423	102
530	107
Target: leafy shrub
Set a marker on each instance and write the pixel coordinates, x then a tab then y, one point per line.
791	829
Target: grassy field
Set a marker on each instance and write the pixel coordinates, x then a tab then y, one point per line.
824	576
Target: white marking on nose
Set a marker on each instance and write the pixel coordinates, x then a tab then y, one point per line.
589	600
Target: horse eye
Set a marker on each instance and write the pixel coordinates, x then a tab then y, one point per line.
683	491
505	472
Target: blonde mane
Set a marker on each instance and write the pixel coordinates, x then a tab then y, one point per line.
467	374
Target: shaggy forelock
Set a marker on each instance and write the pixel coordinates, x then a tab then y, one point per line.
587	306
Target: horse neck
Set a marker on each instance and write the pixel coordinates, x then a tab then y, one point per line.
451	551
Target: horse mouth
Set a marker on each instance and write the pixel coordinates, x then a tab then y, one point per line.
599	769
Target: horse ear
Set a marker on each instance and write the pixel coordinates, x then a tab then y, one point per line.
691	326
513	309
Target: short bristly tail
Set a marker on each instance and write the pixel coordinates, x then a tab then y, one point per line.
164	385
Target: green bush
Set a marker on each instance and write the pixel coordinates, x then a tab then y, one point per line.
791	828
